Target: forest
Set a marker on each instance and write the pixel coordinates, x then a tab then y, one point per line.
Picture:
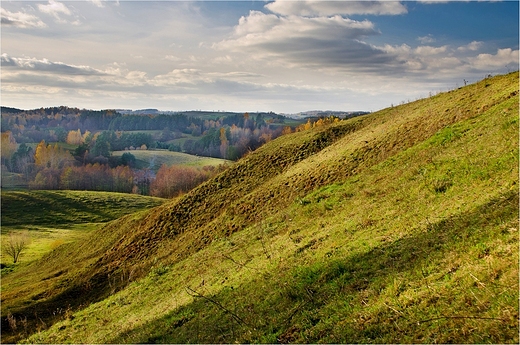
71	148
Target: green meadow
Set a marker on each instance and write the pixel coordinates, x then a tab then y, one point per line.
154	159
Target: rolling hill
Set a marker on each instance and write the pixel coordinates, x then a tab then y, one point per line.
43	207
154	159
397	226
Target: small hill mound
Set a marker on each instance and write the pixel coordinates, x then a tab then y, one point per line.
398	226
41	207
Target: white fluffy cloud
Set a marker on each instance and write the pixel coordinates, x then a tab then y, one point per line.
317	41
473	46
57	9
311	8
21	19
444	61
54	8
315	35
503	57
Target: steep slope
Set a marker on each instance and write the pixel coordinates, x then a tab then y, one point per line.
396	226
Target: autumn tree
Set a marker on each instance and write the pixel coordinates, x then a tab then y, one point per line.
286	130
174	180
47	178
224	143
8	147
307	125
75	137
53	157
122	179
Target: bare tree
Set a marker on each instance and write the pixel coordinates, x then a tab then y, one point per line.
15	244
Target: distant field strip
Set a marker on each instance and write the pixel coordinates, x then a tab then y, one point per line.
154	159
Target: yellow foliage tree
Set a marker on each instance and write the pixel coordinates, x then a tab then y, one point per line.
8	145
75	137
54	157
224	143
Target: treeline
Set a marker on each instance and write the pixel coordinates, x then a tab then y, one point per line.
56	121
167	183
49	166
244	132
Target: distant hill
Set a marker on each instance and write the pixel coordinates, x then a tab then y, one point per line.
400	226
138	112
10	110
327	113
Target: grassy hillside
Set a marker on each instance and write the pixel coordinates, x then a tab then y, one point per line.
398	226
41	207
50	219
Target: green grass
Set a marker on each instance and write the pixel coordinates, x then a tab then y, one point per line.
53	218
42	207
398	226
154	159
185	137
43	239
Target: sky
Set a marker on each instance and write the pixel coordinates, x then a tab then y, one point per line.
281	56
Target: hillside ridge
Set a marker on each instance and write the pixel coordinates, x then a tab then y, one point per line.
322	179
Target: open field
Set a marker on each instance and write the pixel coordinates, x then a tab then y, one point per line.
154	159
43	239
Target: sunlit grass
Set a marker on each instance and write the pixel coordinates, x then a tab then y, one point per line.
154	159
404	228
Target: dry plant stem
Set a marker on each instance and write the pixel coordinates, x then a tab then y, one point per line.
197	294
461	317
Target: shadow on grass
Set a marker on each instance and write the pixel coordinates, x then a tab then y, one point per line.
282	309
64	207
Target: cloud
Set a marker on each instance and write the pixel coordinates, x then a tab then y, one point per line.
429	2
20	19
98	3
172	58
446	61
46	66
56	9
309	8
426	39
318	41
473	46
429	50
502	58
186	77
